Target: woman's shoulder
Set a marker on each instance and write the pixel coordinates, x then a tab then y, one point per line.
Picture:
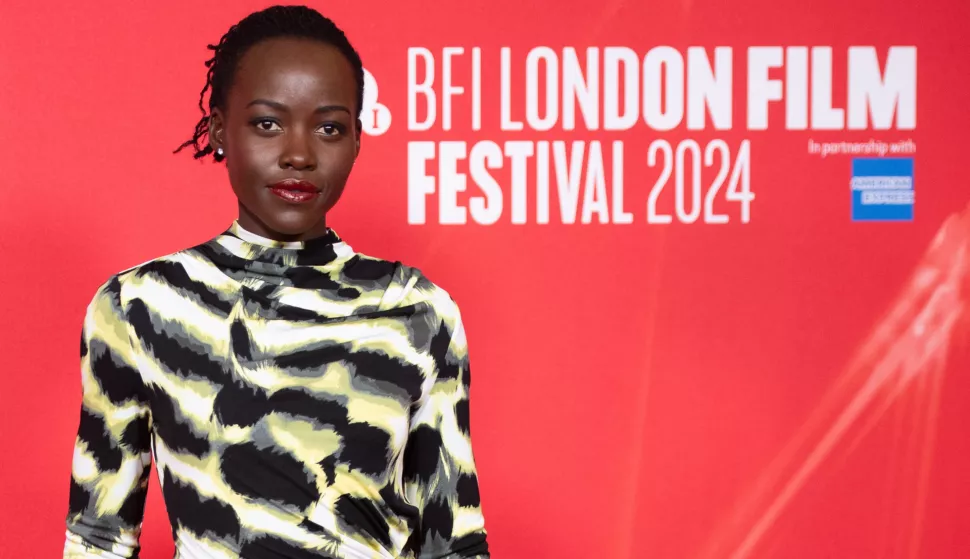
121	280
177	258
406	284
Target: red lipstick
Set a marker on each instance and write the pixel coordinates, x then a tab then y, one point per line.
295	191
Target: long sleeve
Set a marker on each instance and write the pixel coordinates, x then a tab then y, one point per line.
440	474
112	455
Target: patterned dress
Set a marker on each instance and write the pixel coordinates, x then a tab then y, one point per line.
299	400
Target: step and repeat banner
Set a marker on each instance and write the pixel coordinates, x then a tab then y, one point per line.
712	258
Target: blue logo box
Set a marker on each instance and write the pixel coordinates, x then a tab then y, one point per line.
882	189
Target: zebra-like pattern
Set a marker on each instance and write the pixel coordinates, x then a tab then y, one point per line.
299	400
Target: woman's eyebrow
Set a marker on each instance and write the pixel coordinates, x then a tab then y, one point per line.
283	108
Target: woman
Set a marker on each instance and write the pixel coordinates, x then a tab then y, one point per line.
299	399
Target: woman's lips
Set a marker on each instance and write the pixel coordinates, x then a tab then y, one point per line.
295	191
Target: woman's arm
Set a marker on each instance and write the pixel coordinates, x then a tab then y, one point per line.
112	456
440	474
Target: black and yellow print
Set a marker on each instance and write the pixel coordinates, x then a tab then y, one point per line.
299	400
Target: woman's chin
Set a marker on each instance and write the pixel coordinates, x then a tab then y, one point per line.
293	224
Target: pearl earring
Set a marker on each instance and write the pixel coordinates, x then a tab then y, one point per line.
219	152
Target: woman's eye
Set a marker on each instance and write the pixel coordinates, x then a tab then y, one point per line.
330	129
268	125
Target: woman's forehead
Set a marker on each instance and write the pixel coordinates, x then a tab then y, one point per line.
294	66
293	55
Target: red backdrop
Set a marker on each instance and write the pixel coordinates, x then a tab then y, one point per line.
795	386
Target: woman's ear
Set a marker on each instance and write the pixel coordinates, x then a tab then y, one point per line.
216	129
357	137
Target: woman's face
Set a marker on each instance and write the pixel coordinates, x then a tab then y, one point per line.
289	134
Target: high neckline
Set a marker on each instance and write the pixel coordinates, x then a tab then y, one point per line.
238	248
247	236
